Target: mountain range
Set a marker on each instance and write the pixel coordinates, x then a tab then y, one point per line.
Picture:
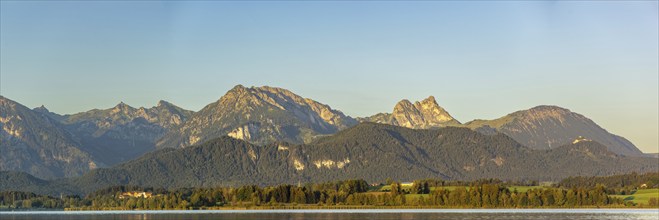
369	151
259	115
123	133
542	127
49	145
37	144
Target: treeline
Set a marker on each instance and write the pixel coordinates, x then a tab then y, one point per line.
624	184
330	193
27	200
440	182
479	194
355	193
496	196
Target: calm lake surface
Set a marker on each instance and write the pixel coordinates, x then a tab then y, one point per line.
553	214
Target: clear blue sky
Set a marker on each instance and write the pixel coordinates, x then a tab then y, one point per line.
479	59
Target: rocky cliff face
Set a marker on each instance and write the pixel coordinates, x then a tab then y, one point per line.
421	115
34	143
259	115
122	133
546	127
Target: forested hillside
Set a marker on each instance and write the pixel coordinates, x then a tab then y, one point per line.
369	151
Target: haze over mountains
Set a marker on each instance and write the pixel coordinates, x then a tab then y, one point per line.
48	145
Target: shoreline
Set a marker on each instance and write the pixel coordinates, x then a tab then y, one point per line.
347	211
321	209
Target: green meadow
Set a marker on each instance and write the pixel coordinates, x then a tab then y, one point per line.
641	196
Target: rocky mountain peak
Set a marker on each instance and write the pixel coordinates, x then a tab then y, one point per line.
238	87
163	103
123	108
44	111
430	101
403	105
41	109
238	91
260	115
424	114
433	111
238	97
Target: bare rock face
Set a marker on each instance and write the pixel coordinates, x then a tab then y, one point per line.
420	115
260	115
547	127
36	144
246	132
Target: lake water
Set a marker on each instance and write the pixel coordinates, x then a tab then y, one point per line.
495	214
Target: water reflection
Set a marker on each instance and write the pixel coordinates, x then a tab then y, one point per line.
496	214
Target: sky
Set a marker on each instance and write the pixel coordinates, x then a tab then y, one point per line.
481	60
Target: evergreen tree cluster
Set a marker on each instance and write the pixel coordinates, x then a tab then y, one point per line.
26	200
625	181
498	196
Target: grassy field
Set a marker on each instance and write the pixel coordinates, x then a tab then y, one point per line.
641	196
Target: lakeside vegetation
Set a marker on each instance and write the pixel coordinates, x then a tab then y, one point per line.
427	193
642	196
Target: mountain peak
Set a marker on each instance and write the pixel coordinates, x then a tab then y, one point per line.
163	103
238	88
549	108
548	126
546	112
430	100
236	93
424	114
403	105
260	115
41	109
429	105
122	107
